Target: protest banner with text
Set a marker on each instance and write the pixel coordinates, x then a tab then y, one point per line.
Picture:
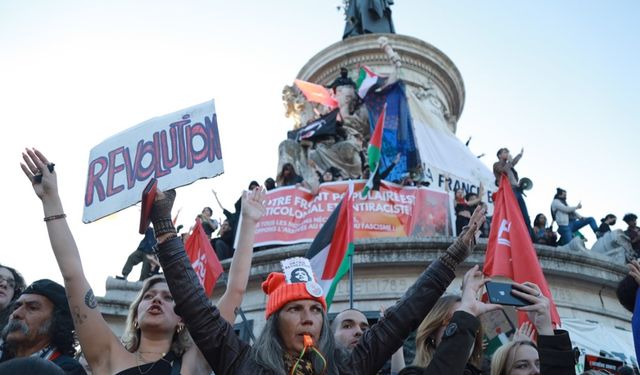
177	149
294	215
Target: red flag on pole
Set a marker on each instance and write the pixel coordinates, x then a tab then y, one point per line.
203	258
510	252
316	93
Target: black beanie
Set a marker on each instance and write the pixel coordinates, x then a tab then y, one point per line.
50	289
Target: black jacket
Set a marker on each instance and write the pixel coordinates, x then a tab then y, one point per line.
452	354
227	354
556	354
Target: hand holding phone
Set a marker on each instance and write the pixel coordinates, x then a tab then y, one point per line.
471	284
501	294
538	309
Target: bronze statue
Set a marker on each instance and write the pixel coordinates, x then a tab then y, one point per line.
368	17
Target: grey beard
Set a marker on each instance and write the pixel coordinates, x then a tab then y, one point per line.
17	325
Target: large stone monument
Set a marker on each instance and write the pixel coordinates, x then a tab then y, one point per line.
583	283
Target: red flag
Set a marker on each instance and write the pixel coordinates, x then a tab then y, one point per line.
510	252
316	93
203	258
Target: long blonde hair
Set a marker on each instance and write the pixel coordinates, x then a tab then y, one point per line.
131	337
439	315
503	357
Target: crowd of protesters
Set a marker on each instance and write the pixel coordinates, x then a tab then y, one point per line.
565	216
173	328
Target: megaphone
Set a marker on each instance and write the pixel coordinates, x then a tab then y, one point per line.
525	184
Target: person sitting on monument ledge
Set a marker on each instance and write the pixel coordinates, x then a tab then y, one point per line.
567	217
288	176
296	310
209	224
223	244
269	184
505	165
606	223
155	338
41	326
633	232
542	234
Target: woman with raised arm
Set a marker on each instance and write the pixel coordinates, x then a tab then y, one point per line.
155	341
449	339
296	338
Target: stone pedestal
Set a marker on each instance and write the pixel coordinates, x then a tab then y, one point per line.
424	68
583	284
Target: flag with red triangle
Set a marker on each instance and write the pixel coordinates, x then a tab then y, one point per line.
375	150
510	252
329	252
203	258
316	93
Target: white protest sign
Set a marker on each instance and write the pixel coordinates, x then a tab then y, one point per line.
177	149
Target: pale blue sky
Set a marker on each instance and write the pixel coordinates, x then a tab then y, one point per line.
557	77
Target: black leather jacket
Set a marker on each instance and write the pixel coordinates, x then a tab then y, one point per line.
556	354
227	354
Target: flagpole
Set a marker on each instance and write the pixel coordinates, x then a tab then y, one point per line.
351	281
350	201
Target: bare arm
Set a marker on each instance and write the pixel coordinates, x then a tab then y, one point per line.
252	211
217	200
517	158
478	199
97	340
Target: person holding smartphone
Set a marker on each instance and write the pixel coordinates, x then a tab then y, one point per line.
449	339
552	355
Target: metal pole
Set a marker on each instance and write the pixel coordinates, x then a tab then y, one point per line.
351	281
244	321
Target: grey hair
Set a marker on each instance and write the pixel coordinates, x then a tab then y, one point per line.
268	351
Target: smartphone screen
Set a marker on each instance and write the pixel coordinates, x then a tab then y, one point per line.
500	293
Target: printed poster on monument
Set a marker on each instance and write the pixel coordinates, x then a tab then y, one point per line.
294	215
177	149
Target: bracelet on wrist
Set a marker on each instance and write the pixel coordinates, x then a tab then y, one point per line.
55	217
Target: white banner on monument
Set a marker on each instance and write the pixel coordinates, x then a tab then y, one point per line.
446	159
177	149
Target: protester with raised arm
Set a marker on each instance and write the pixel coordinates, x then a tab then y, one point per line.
155	339
449	339
296	314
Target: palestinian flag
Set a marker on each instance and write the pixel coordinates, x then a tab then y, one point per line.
368	80
374	150
329	252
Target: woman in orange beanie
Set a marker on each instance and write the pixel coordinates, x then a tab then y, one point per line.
296	338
